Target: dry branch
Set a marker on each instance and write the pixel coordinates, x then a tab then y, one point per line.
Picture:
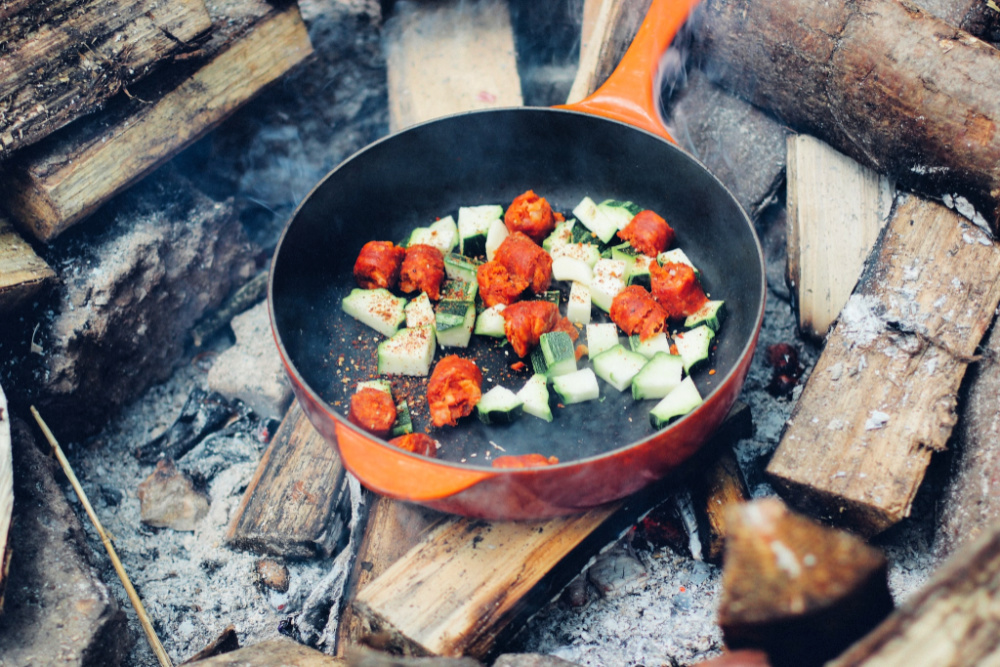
891	86
881	399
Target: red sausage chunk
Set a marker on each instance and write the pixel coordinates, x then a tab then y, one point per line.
635	311
648	233
373	410
531	215
676	289
497	285
417	443
378	265
524	258
453	390
524	323
422	270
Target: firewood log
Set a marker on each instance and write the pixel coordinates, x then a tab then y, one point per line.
6	492
22	272
889	85
975	17
272	652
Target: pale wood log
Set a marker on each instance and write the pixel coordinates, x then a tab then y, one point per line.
62	180
891	86
272	652
953	621
448	57
836	209
609	37
6	492
22	272
290	506
881	399
65	58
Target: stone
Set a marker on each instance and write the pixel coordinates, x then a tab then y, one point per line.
252	370
168	499
57	610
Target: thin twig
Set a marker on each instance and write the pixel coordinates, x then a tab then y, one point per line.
147	626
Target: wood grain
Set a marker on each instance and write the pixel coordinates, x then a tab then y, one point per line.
22	272
836	209
881	399
290	506
65	58
605	42
62	180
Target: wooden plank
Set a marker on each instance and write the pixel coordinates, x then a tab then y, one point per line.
881	399
63	59
270	653
610	35
448	57
290	506
953	621
64	179
6	492
836	209
22	272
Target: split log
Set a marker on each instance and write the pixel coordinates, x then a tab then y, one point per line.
64	59
836	209
57	183
719	487
894	88
272	652
795	589
607	32
971	501
953	621
881	399
22	272
980	18
290	506
6	492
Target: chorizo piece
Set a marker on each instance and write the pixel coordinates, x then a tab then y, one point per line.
378	265
648	233
531	215
524	461
417	443
453	390
373	410
523	257
524	323
422	270
675	287
635	311
497	285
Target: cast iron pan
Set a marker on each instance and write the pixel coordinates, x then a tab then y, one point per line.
607	448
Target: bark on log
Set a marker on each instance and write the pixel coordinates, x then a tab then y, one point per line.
64	59
22	272
953	621
881	399
879	80
61	180
976	17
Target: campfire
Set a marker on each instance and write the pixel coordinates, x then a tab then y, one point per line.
845	511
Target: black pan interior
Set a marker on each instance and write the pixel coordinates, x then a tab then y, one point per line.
411	178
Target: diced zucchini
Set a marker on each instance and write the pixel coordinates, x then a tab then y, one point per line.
442	234
557	349
676	256
381	385
535	397
453	322
621	212
574	270
649	347
608	281
577	387
588	213
677	403
473	225
661	375
588	253
601	337
459	290
494	237
578	305
638	273
694	346
618	366
408	352
560	236
419	311
624	252
710	315
538	363
499	405
377	308
460	267
490	322
404	422
553	296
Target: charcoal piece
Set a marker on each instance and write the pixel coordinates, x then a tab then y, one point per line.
202	414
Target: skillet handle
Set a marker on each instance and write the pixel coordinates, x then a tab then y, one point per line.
629	94
401	475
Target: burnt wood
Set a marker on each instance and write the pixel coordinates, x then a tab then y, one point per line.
22	272
891	86
272	652
64	59
718	488
882	396
976	17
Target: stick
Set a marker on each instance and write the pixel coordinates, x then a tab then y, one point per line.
147	626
